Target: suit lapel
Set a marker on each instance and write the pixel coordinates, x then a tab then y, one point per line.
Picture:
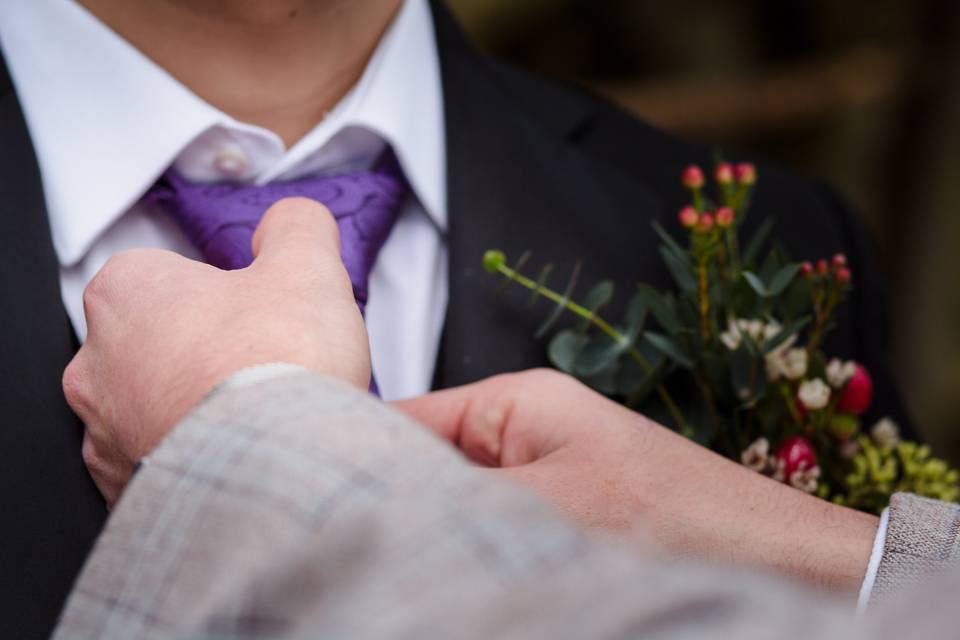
52	511
517	184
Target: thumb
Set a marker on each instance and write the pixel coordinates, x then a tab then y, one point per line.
299	233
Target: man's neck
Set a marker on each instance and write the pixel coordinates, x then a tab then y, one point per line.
279	64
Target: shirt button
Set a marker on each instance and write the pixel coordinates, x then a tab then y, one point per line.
231	162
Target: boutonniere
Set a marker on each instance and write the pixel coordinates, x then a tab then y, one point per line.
731	356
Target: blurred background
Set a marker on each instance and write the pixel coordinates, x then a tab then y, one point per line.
865	94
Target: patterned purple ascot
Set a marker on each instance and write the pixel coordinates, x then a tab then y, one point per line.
219	219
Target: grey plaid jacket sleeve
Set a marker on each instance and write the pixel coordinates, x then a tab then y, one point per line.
922	540
301	508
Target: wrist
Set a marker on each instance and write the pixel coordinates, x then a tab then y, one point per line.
701	504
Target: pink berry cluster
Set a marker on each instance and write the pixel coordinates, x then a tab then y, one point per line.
836	269
705	222
725	173
729	177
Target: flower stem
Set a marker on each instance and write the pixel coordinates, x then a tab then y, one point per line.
606	328
704	300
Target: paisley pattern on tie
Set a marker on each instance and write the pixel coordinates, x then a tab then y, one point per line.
219	219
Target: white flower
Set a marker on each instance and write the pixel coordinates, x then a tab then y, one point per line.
753	328
839	373
771	329
795	364
736	329
758	331
731	337
757	455
814	394
791	364
885	433
805	479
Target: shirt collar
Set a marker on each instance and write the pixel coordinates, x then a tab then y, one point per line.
106	121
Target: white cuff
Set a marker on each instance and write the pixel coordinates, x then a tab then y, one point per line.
259	373
871	577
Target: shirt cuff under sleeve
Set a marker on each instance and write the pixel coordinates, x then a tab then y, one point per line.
871	577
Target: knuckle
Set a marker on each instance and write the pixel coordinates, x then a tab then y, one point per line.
96	289
74	387
89	454
110	277
122	272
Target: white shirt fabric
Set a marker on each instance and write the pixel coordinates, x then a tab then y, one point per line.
879	544
106	122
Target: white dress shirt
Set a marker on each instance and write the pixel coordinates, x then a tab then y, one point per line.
106	122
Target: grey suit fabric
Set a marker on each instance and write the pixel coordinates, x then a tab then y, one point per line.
922	540
301	508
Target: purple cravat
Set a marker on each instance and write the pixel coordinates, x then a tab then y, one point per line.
219	219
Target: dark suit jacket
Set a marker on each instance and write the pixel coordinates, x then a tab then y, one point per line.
531	166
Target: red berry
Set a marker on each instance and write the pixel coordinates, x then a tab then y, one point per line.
839	260
692	177
724	173
822	267
806	269
688	217
797	455
724	217
858	393
843	274
746	173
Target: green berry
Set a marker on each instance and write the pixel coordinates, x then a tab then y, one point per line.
493	260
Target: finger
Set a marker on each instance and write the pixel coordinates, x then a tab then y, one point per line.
480	420
468	416
299	234
440	411
106	475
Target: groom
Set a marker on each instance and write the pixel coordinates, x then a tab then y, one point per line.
114	114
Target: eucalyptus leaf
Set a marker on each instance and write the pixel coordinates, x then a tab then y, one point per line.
796	300
671	244
560	306
774	262
782	279
669	348
597	298
636	316
518	267
564	349
681	271
662	306
541	282
756	283
756	243
604	382
600	352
